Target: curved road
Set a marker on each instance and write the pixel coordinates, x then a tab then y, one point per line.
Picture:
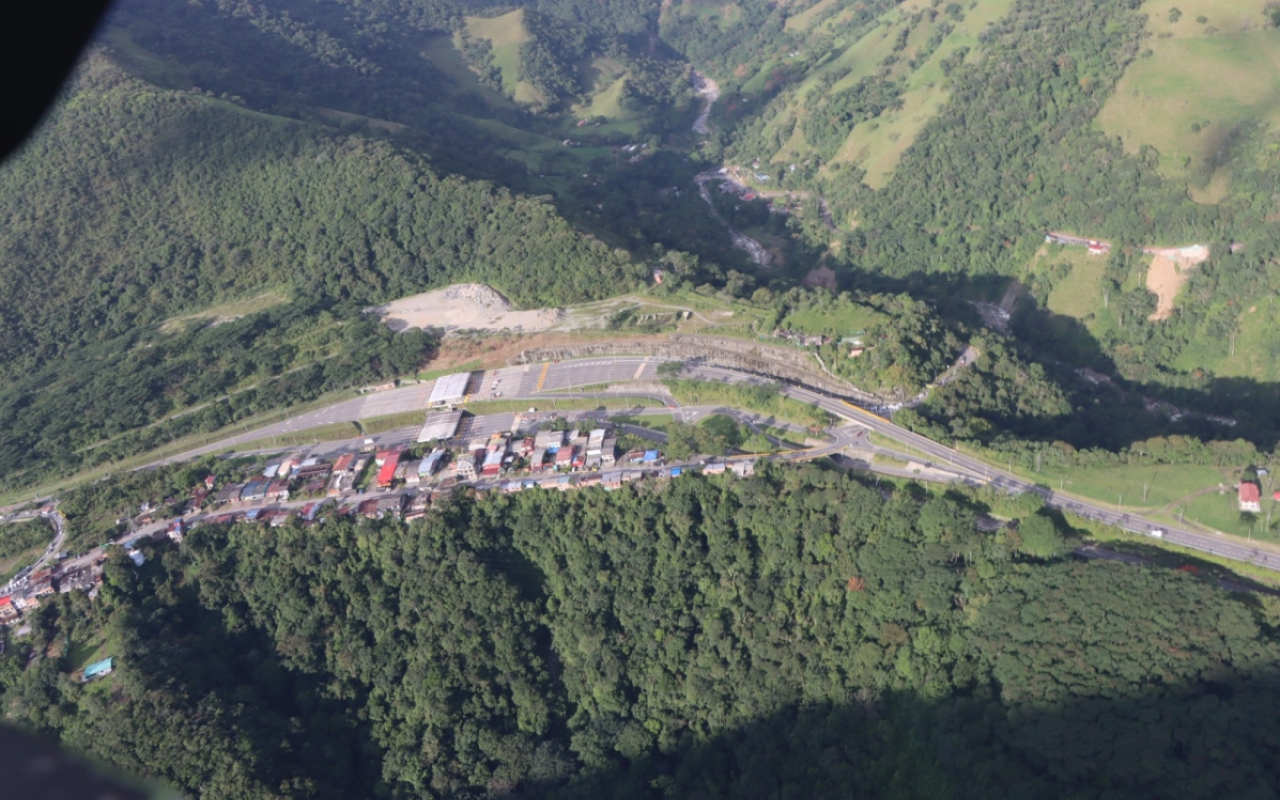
538	383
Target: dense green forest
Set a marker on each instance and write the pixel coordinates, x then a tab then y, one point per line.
134	205
794	635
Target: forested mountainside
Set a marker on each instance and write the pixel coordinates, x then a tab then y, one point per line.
796	634
134	207
134	204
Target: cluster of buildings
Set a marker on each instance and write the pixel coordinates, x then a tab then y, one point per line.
29	594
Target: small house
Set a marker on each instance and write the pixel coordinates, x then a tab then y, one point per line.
8	611
1250	496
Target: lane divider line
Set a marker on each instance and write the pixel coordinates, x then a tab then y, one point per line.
543	377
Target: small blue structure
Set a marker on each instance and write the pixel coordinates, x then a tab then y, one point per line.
650	456
676	472
99	668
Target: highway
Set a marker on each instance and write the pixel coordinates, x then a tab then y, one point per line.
540	383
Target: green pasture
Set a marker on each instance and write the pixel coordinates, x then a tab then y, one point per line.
1200	82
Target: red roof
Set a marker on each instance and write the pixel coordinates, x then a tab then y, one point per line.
6	601
344	462
1249	493
388	471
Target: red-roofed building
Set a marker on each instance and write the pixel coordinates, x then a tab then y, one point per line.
387	472
1250	497
8	611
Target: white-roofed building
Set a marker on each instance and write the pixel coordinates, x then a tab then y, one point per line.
449	389
440	426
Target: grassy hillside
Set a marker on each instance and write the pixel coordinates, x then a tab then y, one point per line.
913	46
506	33
1198	88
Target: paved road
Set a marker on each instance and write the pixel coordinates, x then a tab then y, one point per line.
534	382
51	551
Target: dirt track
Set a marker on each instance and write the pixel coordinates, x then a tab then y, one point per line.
464	306
1170	269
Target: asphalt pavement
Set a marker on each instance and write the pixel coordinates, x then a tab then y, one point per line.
539	383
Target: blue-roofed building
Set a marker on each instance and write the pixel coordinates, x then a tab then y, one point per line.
431	463
99	668
676	471
650	456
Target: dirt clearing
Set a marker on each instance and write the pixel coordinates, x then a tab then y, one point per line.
1170	269
465	306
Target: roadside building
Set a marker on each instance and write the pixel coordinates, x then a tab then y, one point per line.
229	493
8	611
608	451
714	468
344	463
564	457
466	467
41	583
611	480
1250	497
538	460
651	457
99	669
253	490
431	464
548	440
440	426
390	506
595	442
278	489
492	463
176	530
417	507
313	468
449	389
743	468
340	483
412	472
387	468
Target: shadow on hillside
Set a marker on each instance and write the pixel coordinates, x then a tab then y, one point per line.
1111	411
1210	739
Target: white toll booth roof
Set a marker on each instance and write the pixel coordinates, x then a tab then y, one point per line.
440	425
449	389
